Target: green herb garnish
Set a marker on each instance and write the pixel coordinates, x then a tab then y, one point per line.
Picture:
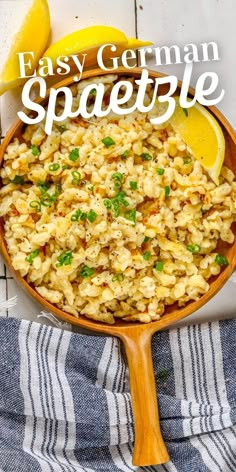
43	186
146	239
54	167
147	255
76	177
194	248
76	215
167	191
185	111
118	177
36	206
35	150
83	216
86	271
146	157
159	266
130	215
93	92
187	160
74	155
92	215
64	167
160	171
62	128
118	277
47	200
108	141
107	203
18	180
133	185
221	260
64	259
32	256
125	154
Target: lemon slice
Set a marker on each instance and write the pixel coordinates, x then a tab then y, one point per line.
89	40
203	135
33	29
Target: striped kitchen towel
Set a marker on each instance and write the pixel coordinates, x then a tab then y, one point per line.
65	403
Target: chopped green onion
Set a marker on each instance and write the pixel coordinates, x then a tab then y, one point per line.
64	167
159	266
108	141
76	177
74	155
125	154
118	177
62	128
107	203
91	188
133	185
194	248
35	150
146	157
167	191
185	111
65	258
118	277
130	215
76	215
160	171
93	92
32	256
147	255
187	160
221	260
35	205
83	216
86	271
44	186
18	179
146	239
47	200
92	215
54	167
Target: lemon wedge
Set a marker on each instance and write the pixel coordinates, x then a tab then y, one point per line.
203	135
89	40
33	29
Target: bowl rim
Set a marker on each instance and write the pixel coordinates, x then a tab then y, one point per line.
119	327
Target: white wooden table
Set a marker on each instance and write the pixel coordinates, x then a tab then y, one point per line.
165	22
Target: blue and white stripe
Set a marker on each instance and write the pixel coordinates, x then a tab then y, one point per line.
65	403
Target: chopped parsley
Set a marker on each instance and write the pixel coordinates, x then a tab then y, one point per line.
221	260
86	271
146	157
35	150
64	259
133	185
74	155
108	141
32	256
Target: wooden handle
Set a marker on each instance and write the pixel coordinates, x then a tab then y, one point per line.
149	446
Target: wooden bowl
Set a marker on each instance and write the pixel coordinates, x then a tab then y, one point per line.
149	448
